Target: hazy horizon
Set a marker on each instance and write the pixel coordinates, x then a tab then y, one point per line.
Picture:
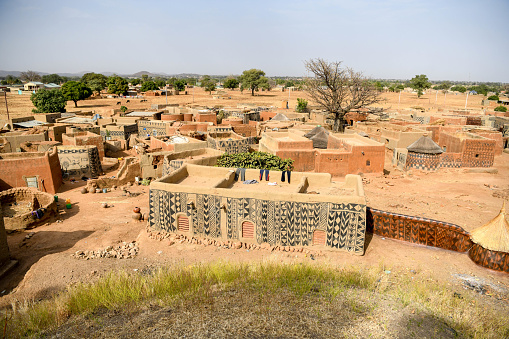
396	39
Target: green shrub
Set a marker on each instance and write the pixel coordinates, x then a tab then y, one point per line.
302	105
501	109
123	108
256	160
493	97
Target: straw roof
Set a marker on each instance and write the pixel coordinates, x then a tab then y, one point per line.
279	117
493	236
315	131
320	140
425	145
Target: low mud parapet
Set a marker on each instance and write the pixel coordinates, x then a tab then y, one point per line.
23	207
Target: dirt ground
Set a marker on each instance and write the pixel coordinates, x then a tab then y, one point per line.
45	253
20	105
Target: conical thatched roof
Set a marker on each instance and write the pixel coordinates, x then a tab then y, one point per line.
493	236
425	145
320	140
279	117
315	131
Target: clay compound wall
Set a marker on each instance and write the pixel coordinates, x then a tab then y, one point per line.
418	230
79	161
41	169
84	139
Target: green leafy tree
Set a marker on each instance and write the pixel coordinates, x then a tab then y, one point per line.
339	90
179	85
160	83
302	105
493	97
117	85
209	86
231	83
10	80
204	80
149	86
289	83
52	78
135	81
501	109
30	76
420	83
253	79
391	89
48	101
145	78
75	91
123	108
400	87
461	89
97	82
379	86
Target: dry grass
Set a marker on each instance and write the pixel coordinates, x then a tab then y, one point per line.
257	300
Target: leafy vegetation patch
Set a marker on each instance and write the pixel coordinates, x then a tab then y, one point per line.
256	160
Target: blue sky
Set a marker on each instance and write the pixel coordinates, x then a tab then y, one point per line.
453	40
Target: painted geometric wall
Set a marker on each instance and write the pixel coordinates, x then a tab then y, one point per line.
285	223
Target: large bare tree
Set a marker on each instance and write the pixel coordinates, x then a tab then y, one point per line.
30	76
339	90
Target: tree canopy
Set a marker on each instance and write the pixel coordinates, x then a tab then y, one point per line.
96	82
48	101
179	85
339	90
53	78
420	83
10	80
208	84
30	76
149	86
231	83
461	89
75	91
253	79
117	85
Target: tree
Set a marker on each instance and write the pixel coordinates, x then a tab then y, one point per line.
179	85
289	83
420	83
75	91
302	105
461	89
253	79
48	101
231	83
400	87
117	85
209	86
493	97
30	76
52	78
149	86
339	90
501	109
444	86
135	81
96	82
10	80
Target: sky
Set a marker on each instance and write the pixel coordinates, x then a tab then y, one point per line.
394	39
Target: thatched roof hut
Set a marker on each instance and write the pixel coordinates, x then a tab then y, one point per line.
320	140
425	145
315	131
493	236
280	117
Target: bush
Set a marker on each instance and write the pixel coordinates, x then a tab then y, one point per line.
256	160
493	97
302	105
123	108
501	109
48	101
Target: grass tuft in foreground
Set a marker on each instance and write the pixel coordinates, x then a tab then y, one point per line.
264	299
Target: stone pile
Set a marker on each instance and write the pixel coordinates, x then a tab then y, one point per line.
225	244
122	251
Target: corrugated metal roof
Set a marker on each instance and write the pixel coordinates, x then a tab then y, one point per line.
29	124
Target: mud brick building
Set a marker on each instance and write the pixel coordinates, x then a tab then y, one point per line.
226	140
37	169
208	202
84	139
344	153
79	161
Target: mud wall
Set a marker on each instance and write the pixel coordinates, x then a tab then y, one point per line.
418	230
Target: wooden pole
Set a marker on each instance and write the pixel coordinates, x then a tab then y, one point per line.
7	109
